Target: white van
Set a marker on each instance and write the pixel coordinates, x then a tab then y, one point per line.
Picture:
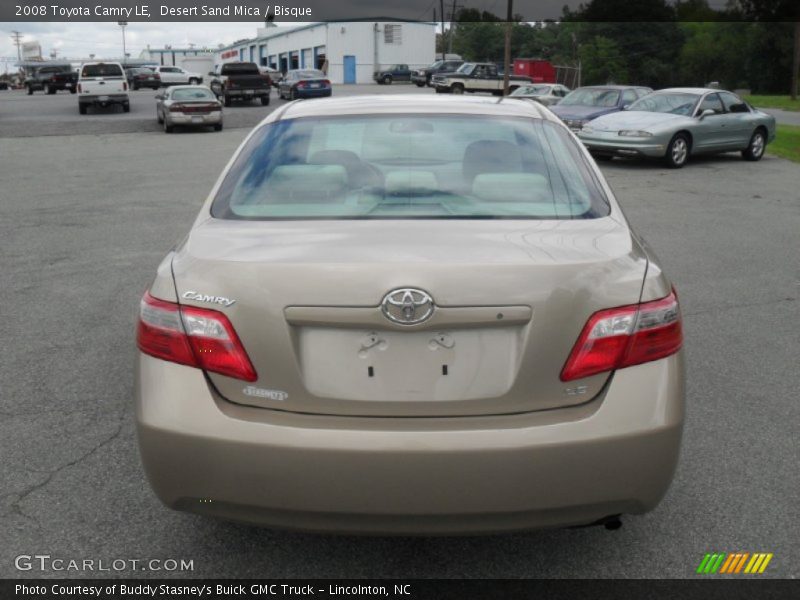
102	84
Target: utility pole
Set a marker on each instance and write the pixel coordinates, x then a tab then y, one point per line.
17	37
507	57
796	61
123	24
441	15
452	25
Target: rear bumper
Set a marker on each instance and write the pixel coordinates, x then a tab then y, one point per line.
419	78
252	93
615	454
103	99
213	118
313	93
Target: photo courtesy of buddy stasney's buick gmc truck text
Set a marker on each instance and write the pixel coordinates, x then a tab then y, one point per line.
146	11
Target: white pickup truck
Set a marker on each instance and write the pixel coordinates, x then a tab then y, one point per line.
102	84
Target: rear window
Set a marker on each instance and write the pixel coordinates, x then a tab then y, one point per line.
410	166
240	68
193	94
101	70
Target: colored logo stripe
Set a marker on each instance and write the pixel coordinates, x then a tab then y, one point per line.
735	562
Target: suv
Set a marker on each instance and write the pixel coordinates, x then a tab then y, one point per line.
102	84
142	77
422	77
240	81
393	73
177	76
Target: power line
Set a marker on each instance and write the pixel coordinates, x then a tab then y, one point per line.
17	37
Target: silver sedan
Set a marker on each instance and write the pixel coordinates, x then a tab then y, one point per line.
677	123
188	105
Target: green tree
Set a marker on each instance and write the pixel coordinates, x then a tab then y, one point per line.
602	62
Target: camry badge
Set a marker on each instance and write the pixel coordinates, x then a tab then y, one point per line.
407	306
198	297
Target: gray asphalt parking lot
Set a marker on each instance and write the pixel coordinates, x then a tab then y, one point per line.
86	217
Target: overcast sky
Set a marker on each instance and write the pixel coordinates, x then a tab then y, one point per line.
78	40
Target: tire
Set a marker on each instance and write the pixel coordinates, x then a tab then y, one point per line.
264	100
193	81
755	149
603	157
438	90
30	91
218	127
159	118
228	100
678	151
420	84
135	86
126	107
292	94
168	128
457	88
387	80
82	109
73	90
48	90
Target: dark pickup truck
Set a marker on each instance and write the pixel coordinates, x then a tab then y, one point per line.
51	78
476	77
422	77
240	81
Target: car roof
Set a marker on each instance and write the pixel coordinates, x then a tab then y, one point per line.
411	104
187	87
690	90
611	87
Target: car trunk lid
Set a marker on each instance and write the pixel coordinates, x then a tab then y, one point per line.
511	298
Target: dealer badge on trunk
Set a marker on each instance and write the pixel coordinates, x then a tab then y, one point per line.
407	306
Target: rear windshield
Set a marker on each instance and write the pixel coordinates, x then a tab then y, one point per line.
196	94
240	69
410	166
101	70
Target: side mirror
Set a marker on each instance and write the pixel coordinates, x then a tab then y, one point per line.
626	106
706	113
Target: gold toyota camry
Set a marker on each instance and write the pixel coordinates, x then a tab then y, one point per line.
413	314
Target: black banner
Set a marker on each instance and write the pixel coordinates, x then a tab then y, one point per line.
408	10
432	589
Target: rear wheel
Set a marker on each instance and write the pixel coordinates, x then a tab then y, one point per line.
49	90
72	90
193	81
457	88
158	117
228	100
387	80
126	107
218	127
755	149
420	84
293	94
603	157
135	85
82	109
678	151
167	127
265	100
30	91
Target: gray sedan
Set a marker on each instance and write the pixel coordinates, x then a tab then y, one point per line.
189	105
675	123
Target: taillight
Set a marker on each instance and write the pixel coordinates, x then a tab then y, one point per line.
197	337
80	89
157	76
626	336
124	86
176	108
326	83
301	85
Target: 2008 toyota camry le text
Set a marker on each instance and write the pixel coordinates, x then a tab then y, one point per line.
411	314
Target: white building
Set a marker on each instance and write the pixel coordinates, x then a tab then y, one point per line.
169	56
348	51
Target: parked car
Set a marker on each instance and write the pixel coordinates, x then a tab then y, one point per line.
102	84
304	83
586	103
140	77
176	76
5	85
274	75
239	81
543	93
422	77
51	78
391	74
677	123
441	299
188	105
476	77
